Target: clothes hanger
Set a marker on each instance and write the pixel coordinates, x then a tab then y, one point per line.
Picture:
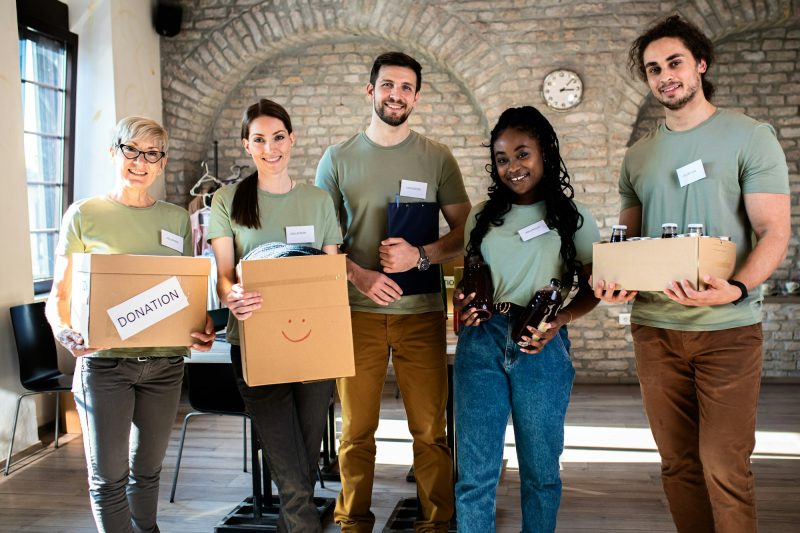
207	177
236	174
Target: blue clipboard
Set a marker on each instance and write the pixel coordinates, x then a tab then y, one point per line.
418	224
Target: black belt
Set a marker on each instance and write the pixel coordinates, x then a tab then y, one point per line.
507	308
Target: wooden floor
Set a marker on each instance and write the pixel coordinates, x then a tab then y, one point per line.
610	472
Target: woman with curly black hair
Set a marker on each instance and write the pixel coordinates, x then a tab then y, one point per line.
529	231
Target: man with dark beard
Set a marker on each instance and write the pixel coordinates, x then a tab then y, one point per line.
699	352
386	162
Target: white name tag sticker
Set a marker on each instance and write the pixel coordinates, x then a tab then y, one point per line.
299	234
148	308
690	173
413	189
534	230
170	240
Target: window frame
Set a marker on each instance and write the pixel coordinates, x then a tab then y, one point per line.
54	25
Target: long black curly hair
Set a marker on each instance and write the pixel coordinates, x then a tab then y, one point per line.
561	213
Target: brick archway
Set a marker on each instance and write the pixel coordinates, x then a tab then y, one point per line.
720	22
194	92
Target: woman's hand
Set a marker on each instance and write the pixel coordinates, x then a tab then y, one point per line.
242	304
467	315
536	346
609	293
551	329
73	341
206	337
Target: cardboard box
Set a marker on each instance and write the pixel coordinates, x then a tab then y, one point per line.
302	331
130	301
650	265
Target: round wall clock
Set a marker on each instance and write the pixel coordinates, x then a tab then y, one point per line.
562	89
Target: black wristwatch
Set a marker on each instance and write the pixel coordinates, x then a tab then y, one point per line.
424	263
742	288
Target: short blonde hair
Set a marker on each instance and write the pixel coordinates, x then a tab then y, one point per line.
130	128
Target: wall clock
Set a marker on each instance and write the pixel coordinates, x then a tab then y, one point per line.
562	89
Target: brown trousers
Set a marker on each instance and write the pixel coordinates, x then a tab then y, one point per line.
700	391
420	363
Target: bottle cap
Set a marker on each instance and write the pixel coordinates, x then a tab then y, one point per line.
670	225
619	226
695	226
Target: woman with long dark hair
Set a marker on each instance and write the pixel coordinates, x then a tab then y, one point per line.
289	417
529	231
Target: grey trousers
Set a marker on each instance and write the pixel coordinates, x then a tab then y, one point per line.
127	408
290	421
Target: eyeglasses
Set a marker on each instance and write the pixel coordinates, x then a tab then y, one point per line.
132	153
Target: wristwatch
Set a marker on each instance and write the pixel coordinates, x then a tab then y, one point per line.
424	263
741	287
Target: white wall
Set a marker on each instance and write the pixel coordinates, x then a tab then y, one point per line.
16	282
119	74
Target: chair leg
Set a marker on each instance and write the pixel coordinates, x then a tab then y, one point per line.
58	414
13	430
319	477
180	453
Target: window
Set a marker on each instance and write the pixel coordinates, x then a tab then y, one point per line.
47	61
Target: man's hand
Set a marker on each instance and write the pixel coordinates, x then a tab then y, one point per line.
719	292
397	255
607	292
206	337
376	286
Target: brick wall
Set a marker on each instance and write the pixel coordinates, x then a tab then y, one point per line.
479	58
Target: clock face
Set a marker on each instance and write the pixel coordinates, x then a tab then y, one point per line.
562	89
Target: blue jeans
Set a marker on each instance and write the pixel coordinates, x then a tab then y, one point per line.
290	420
127	408
492	380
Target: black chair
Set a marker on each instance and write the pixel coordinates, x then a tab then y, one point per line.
38	361
212	391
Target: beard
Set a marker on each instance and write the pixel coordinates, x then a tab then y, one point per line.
391	120
674	105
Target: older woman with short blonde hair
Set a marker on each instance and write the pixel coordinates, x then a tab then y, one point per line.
127	399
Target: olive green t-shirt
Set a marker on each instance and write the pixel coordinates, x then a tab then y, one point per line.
101	225
304	205
362	178
739	156
521	267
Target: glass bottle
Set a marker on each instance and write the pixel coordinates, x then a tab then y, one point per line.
695	230
540	310
669	230
619	233
478	279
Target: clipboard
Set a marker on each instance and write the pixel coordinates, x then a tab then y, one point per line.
418	224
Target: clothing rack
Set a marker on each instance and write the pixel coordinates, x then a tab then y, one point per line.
216	158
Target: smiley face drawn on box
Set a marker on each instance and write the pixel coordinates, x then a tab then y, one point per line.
296	330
